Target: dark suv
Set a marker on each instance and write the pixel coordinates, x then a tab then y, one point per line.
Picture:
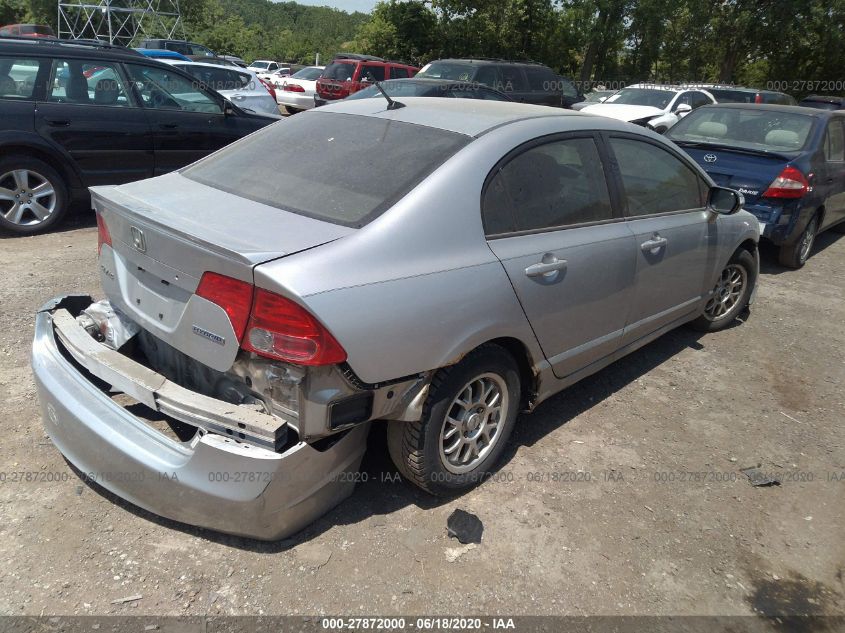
348	73
528	82
78	115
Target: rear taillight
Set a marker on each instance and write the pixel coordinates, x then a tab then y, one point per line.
281	329
233	295
270	88
758	98
271	325
103	235
293	88
790	183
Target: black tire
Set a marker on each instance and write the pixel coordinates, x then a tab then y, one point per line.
796	255
38	172
291	110
415	447
710	321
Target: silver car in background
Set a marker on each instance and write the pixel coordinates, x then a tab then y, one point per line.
241	86
439	264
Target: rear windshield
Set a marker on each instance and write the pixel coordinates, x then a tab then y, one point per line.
339	168
340	71
642	96
744	128
309	74
36	30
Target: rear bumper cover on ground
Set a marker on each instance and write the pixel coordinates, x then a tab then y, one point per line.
212	481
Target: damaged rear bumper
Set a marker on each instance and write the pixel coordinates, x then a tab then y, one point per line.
211	481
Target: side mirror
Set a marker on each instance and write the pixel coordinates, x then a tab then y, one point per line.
725	201
228	108
683	108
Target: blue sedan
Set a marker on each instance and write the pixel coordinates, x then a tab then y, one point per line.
788	162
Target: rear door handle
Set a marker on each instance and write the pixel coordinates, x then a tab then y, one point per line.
58	122
168	126
547	267
653	244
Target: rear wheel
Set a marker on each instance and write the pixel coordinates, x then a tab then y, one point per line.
795	255
730	295
469	414
33	196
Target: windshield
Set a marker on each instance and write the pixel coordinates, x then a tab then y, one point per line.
448	70
642	97
596	95
744	128
262	65
340	71
309	74
36	30
339	168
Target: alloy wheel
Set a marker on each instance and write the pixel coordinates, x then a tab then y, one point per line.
807	241
26	197
473	423
727	293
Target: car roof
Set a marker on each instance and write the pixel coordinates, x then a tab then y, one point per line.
772	107
472	117
66	48
488	60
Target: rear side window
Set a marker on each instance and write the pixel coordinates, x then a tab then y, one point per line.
554	185
87	82
512	79
339	71
666	184
17	77
397	72
834	142
329	166
371	71
541	79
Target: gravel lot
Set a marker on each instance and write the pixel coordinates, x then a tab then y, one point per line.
621	495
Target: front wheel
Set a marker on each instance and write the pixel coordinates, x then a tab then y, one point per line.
795	255
469	414
731	293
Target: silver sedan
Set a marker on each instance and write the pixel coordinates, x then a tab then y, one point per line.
438	264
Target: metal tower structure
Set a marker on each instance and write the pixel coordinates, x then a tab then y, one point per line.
123	22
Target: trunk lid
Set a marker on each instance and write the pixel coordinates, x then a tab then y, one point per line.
750	174
167	231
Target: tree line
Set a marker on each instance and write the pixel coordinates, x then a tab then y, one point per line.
791	45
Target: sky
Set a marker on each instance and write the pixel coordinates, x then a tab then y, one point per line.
347	5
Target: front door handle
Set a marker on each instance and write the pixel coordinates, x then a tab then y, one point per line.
169	126
546	268
58	122
653	244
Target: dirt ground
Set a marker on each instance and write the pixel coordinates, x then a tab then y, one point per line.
621	495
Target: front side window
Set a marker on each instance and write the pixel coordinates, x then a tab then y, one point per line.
87	82
654	179
161	89
398	73
554	185
699	99
329	166
219	78
834	142
17	77
512	79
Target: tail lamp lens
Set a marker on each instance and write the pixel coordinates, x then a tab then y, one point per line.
293	88
790	183
233	295
271	325
281	329
103	235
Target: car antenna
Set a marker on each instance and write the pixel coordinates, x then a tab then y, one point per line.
391	104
